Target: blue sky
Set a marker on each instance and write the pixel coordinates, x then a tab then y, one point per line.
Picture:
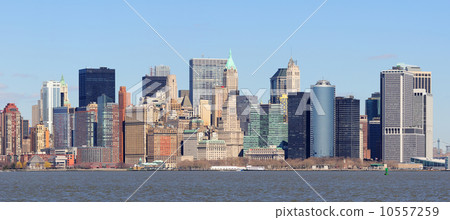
346	42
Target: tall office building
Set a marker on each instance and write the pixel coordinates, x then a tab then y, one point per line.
243	106
424	97
25	128
373	106
136	127
50	98
61	125
285	81
35	114
172	88
160	70
364	136
124	102
322	119
266	127
423	118
229	128
95	82
401	140
11	131
230	77
40	138
64	92
299	116
347	128
374	139
108	123
153	84
85	126
204	75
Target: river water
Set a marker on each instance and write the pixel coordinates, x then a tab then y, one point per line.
202	186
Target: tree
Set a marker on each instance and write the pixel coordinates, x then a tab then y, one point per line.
19	165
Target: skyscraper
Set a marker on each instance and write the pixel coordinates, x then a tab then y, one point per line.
35	114
424	100
243	106
64	93
373	106
153	84
172	88
50	98
230	77
322	119
364	136
204	75
85	131
401	140
108	123
229	128
299	116
124	102
284	81
61	124
374	144
11	130
95	82
347	128
160	70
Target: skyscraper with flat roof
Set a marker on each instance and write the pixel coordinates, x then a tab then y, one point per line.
299	116
50	98
11	131
204	75
61	124
95	82
322	119
347	128
401	139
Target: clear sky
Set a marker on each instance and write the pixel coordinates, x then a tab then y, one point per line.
345	42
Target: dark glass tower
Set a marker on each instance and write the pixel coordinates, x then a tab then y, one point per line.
373	108
153	84
95	82
347	128
299	114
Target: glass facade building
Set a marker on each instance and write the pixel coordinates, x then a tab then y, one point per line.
50	98
108	123
299	113
152	84
204	75
61	123
347	128
322	119
95	82
373	106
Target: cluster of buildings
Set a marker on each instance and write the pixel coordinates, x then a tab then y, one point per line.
214	121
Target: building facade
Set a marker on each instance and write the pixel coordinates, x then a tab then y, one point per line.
204	75
50	98
285	81
401	140
61	124
95	82
322	119
11	130
299	116
347	139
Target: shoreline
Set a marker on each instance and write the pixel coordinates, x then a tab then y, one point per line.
123	170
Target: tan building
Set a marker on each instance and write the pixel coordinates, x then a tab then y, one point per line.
205	112
136	126
40	138
229	128
211	150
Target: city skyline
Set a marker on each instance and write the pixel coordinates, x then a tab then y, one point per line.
20	83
